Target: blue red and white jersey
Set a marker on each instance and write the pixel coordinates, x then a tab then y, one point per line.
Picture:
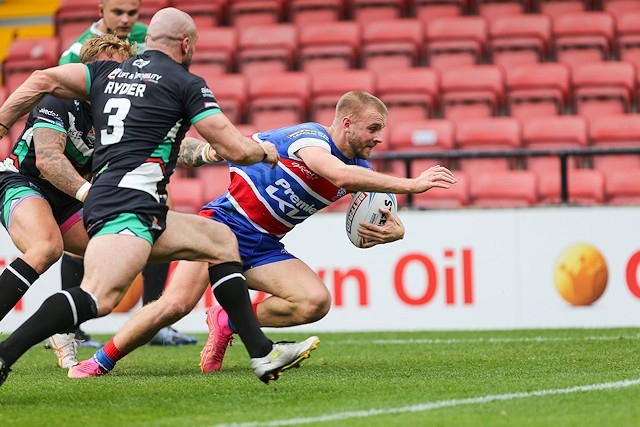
275	200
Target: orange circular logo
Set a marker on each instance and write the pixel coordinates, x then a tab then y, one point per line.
581	274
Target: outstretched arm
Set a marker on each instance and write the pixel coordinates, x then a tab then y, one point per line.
357	178
232	145
66	81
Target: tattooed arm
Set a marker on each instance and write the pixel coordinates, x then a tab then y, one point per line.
54	166
194	153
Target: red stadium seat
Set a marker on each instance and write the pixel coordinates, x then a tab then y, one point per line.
583	37
247	13
215	178
148	8
554	132
455	197
388	44
304	12
472	91
215	49
519	39
436	135
601	88
278	99
553	8
455	41
186	194
328	46
493	9
620	8
538	90
503	189
585	187
622	186
620	130
27	55
231	92
410	93
73	17
370	10
488	134
327	88
263	49
628	38
205	13
427	10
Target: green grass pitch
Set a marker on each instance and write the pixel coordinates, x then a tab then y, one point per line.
558	377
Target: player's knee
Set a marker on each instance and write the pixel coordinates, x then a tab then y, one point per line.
44	255
315	306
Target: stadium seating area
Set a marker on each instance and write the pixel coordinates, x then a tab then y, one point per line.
472	84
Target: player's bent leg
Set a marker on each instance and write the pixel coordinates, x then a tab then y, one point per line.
108	278
298	296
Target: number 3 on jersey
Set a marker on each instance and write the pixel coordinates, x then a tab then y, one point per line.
117	110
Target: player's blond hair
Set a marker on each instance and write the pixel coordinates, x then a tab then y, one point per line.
355	102
110	44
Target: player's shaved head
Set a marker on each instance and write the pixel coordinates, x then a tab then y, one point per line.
170	25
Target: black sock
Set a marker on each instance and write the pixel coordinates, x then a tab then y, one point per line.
15	281
71	271
232	292
59	312
154	277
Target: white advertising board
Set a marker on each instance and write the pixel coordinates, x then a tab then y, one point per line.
454	270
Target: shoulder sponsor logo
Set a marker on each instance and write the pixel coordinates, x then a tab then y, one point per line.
206	92
308	132
140	63
211	105
304	169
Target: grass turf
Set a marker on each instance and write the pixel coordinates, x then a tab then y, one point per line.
479	378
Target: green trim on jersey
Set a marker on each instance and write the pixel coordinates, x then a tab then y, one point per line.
88	79
163	151
127	224
72	54
50	126
12	195
21	150
204	114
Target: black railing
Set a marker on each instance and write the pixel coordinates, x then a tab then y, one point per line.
562	154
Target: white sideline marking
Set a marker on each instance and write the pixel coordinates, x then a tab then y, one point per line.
491	340
429	406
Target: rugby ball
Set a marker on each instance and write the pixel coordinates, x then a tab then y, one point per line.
365	207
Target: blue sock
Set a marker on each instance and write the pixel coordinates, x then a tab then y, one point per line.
103	360
233	329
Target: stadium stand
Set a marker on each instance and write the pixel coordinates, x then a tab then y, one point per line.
278	99
215	49
455	41
586	187
370	10
554	133
583	37
186	194
492	9
555	8
326	88
623	186
427	10
615	131
503	188
25	56
472	91
455	197
601	88
519	39
247	13
487	134
389	44
305	12
409	93
215	179
328	46
537	90
266	48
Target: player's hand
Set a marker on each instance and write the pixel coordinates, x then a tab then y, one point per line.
390	231
271	154
435	176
